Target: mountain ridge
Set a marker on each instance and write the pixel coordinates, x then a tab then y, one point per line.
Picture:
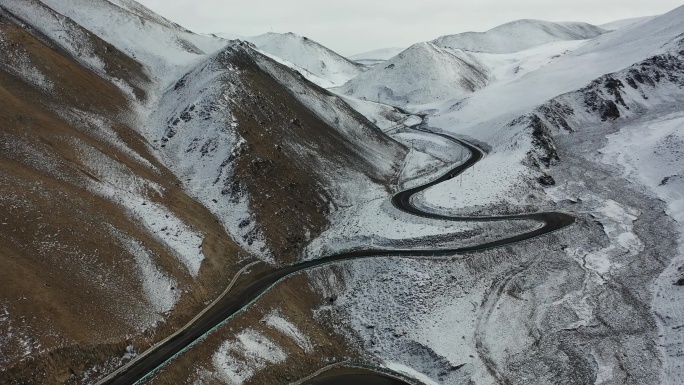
308	56
518	35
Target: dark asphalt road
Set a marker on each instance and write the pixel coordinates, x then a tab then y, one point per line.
402	200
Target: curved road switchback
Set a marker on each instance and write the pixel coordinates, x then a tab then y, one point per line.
224	309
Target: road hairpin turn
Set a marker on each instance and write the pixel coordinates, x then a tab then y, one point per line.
222	311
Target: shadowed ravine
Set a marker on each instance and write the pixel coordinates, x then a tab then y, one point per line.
222	311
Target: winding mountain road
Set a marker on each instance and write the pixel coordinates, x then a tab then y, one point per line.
150	361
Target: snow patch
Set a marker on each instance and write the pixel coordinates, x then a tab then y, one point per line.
276	321
400	368
237	361
160	289
21	65
488	182
118	184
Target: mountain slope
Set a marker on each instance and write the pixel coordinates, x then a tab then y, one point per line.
607	53
245	133
518	35
619	24
165	48
421	74
130	198
552	310
100	245
308	57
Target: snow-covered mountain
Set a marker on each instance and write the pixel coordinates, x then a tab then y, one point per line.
318	63
460	64
423	73
143	168
518	35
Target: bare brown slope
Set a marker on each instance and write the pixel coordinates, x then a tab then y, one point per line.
286	167
70	289
295	160
116	64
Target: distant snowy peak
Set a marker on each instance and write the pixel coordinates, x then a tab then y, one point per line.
308	56
519	35
423	73
619	24
377	56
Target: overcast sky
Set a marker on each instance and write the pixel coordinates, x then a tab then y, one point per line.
354	26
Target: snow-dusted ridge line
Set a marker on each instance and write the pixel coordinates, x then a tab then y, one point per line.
320	64
519	35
